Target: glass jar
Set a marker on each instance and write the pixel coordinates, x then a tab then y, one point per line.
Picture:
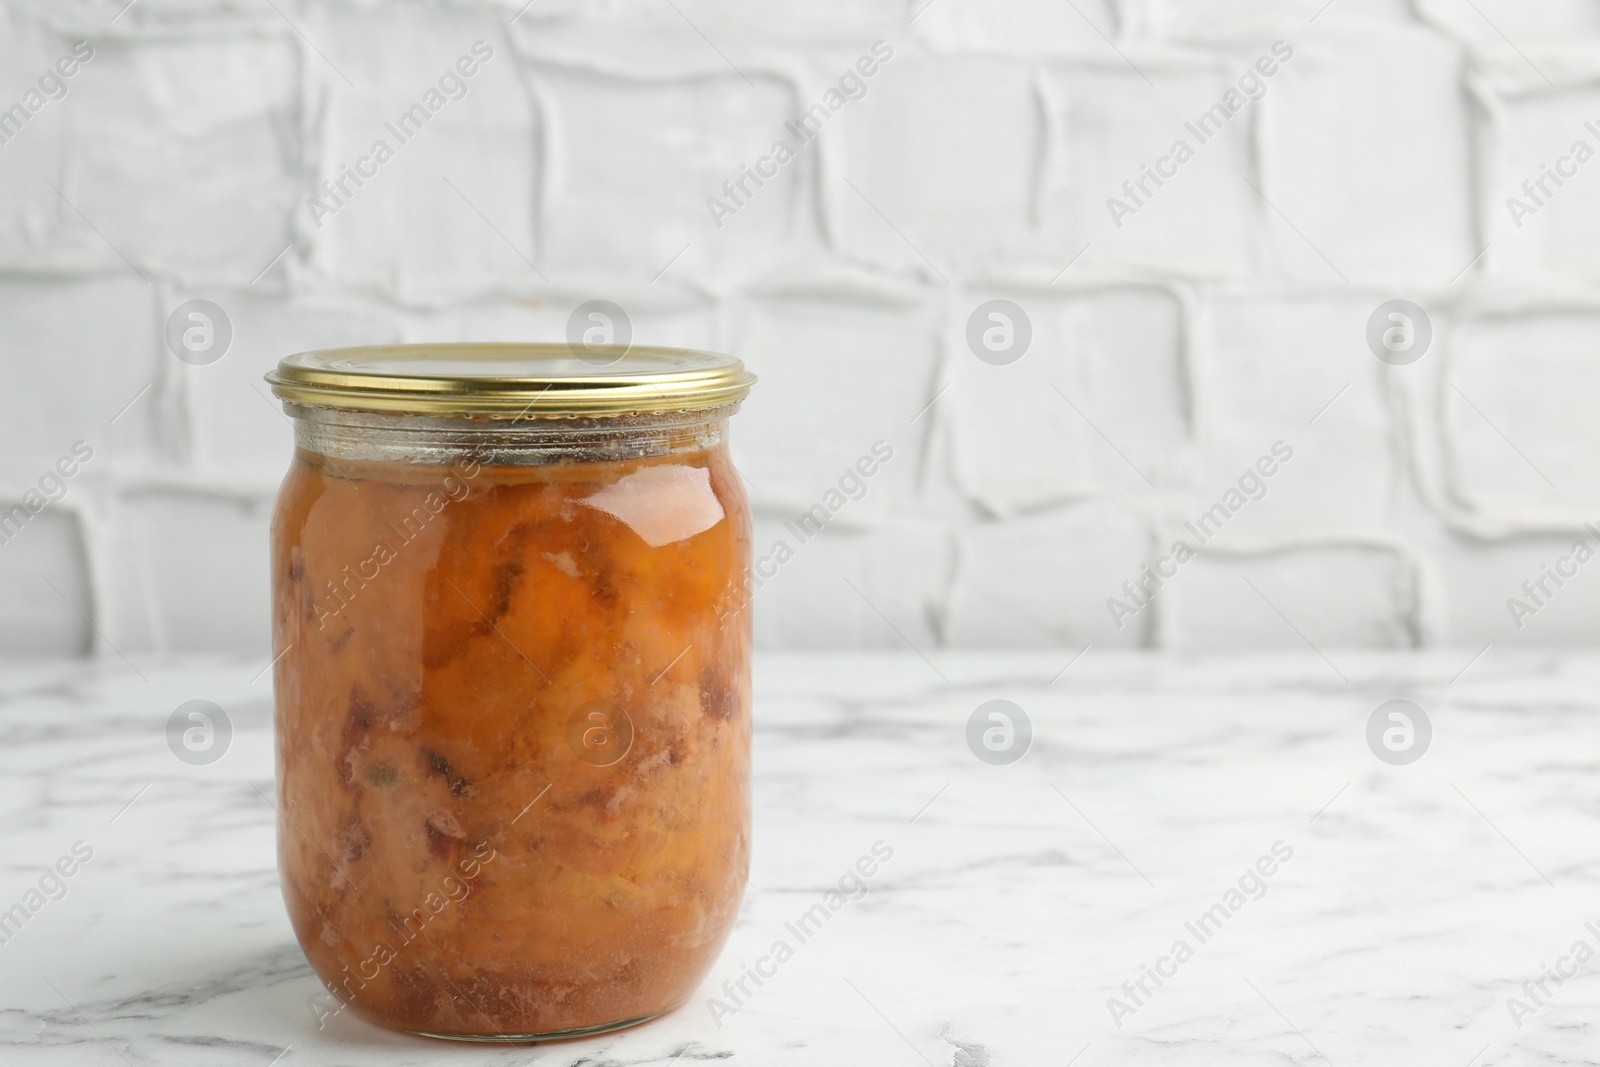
513	686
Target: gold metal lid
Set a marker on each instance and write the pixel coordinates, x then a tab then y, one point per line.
510	380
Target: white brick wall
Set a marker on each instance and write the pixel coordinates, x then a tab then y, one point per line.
1168	354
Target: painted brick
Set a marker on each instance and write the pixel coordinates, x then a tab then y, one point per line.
182	152
94	15
836	375
1026	26
188	572
80	351
973	123
31	154
635	165
1043	580
1491	22
451	213
1231	21
733	26
1109	123
1366	159
1477	580
656	316
1194	336
47	550
1550	231
1518	415
637	41
822	22
1334	596
1098	402
850	588
1296	370
240	429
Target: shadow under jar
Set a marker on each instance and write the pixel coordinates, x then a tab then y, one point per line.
510	601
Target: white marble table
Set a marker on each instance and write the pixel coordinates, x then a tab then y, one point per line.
1018	899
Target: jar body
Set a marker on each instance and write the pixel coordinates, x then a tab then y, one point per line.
513	719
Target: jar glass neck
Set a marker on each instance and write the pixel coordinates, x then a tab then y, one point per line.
360	435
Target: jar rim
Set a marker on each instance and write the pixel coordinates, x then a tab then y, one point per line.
511	380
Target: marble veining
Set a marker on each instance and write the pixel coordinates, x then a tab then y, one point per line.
1427	913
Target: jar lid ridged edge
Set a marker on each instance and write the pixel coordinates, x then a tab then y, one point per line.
653	380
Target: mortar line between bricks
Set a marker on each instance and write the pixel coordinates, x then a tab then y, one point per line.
896	229
1068	267
311	44
712	43
96	229
942	390
1113	44
1512	43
